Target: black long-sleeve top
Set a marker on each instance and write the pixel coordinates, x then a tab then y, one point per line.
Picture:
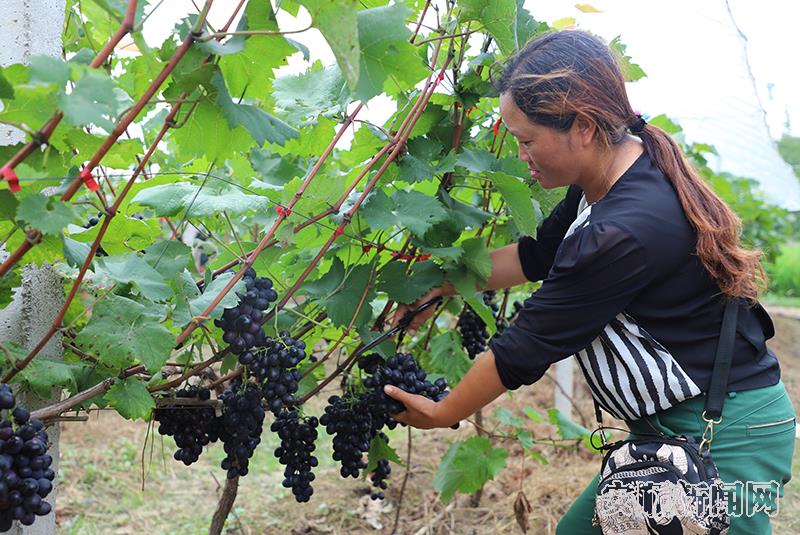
624	291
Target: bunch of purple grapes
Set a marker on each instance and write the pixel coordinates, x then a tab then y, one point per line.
192	427
25	473
242	324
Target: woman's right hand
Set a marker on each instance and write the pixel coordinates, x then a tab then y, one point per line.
419	319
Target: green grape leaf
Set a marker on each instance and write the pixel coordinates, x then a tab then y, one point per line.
93	100
417	211
407	288
8	282
131	399
42	374
172	199
524	209
8	205
476	257
499	17
478	161
463	215
630	70
380	450
168	257
192	140
123	234
377	211
343	303
200	303
75	252
467	465
6	89
448	357
506	417
566	427
385	51
337	21
49	70
124	331
48	214
318	92
249	73
133	269
527	26
531	413
261	125
329	282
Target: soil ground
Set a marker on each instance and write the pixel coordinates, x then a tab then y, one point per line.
105	461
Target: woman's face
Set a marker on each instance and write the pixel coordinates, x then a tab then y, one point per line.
553	157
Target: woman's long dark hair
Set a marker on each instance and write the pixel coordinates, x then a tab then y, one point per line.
561	75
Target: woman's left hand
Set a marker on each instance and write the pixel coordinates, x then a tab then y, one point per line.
420	412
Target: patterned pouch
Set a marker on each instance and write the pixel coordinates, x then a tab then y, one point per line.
660	486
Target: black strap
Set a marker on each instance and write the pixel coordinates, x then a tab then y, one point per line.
722	362
722	365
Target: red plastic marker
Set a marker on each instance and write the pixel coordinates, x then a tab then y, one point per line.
9	174
88	179
496	127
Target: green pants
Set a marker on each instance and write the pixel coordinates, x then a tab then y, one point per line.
754	442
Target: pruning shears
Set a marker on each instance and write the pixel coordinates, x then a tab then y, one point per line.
401	327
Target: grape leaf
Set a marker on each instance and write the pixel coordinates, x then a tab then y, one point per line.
172	199
48	214
467	465
406	288
249	73
133	269
417	211
49	70
192	140
476	257
379	450
261	125
201	302
385	51
478	161
75	252
499	17
377	211
463	215
168	257
524	209
337	21
326	284
8	282
448	357
93	100
8	205
124	331
318	92
506	417
131	399
6	89
43	373
630	70
343	304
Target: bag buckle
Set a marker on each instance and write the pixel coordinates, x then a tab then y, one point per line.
708	433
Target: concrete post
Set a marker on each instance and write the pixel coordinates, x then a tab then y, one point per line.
32	27
563	389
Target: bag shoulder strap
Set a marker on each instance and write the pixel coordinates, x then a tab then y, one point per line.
722	361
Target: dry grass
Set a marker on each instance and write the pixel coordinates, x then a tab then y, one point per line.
101	491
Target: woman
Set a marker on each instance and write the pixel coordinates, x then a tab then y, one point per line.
635	262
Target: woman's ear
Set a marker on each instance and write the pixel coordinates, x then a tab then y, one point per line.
584	129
